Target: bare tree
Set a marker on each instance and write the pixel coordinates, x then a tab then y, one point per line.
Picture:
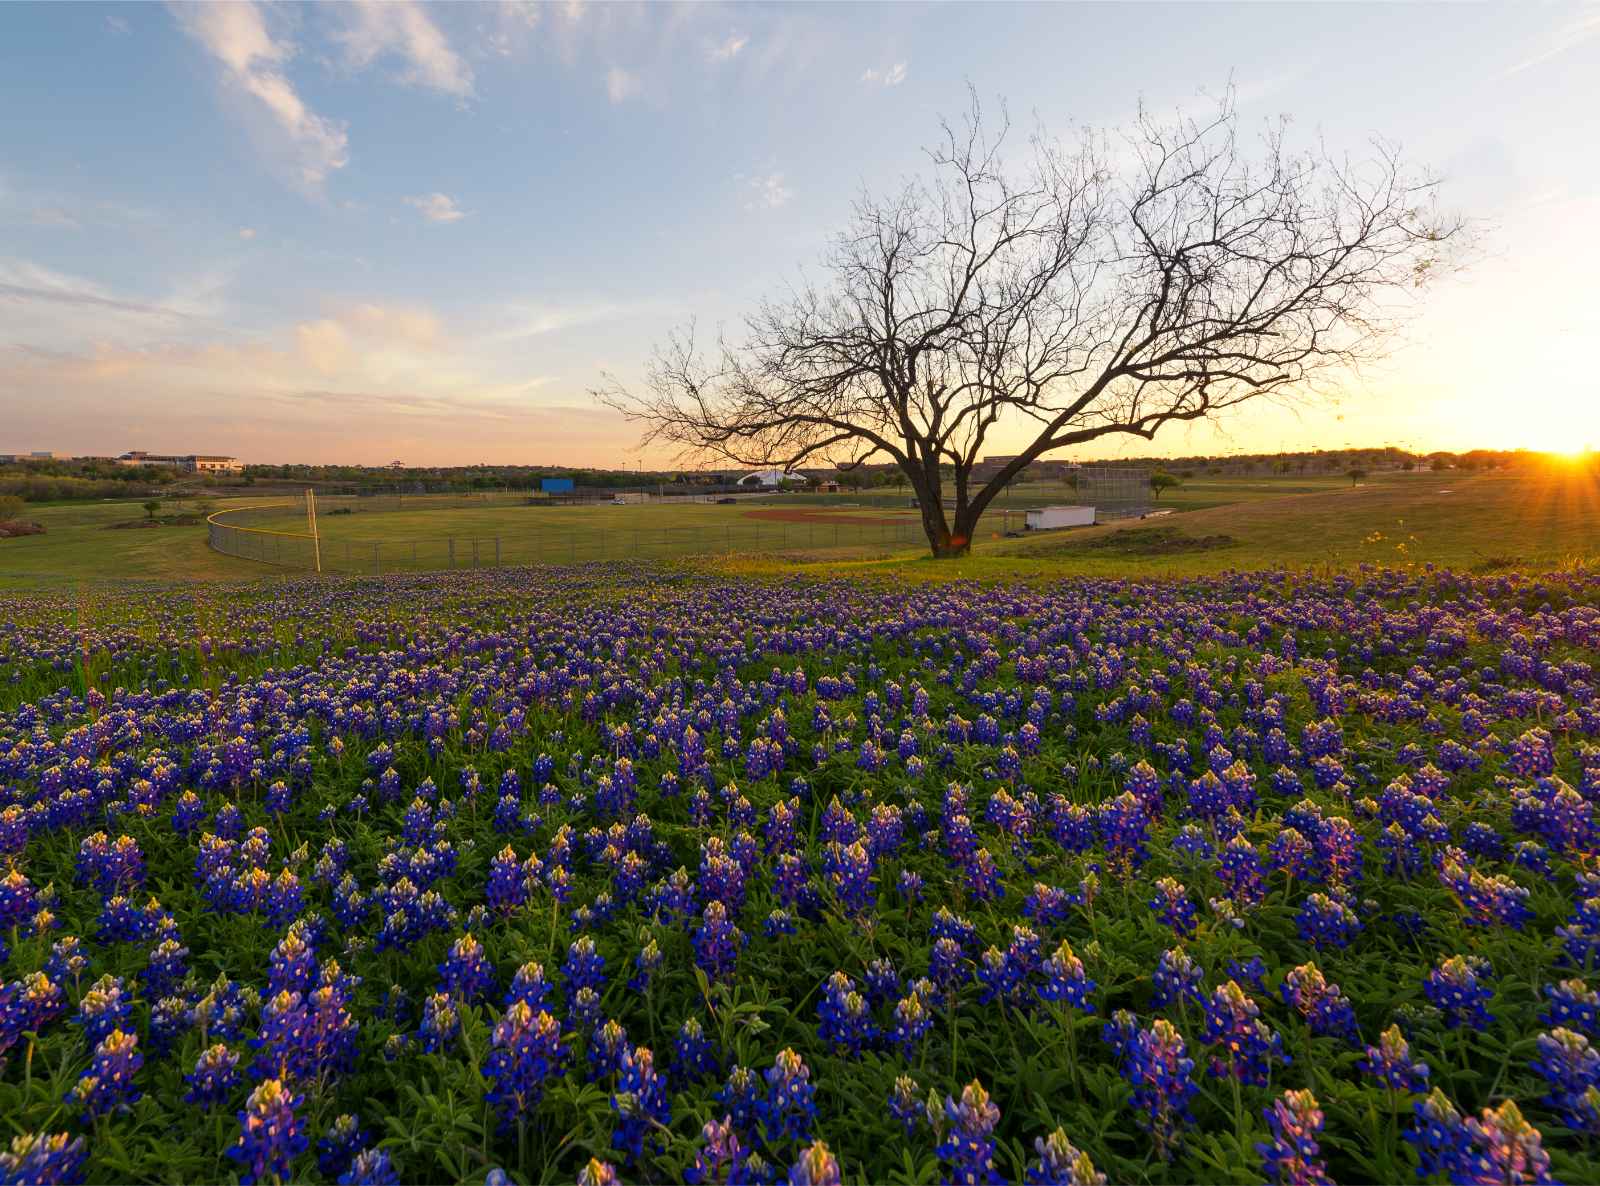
1123	284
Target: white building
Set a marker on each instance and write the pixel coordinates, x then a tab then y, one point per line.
194	463
1049	518
772	478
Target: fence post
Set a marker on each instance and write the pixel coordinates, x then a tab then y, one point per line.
377	559
452	542
497	551
474	551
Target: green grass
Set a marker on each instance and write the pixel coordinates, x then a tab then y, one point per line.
1475	522
81	544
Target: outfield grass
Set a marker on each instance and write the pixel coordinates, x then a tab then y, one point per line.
1477	522
80	543
1471	522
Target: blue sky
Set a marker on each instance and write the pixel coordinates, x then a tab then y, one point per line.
373	231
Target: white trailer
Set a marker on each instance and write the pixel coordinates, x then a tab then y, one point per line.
1049	518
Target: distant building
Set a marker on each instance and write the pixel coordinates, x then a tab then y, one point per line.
35	455
193	463
397	465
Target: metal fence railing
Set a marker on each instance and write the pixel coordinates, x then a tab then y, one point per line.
231	532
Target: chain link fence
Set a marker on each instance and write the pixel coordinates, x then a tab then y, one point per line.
231	532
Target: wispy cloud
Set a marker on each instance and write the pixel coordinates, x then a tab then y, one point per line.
508	26
888	76
236	35
729	48
403	28
620	85
1575	32
765	191
247	232
437	207
62	296
54	216
115	24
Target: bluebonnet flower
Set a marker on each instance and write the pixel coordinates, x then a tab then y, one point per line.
340	1144
107	1086
1506	1148
719	1156
1240	871
1325	1009
598	1173
440	1023
912	1021
292	966
1155	1062
845	1023
584	968
1442	1142
1246	1044
1327	922
815	1167
1290	1157
1574	1005
1060	1163
1066	980
215	1075
43	1159
717	941
1391	1063
640	1102
788	1110
693	1057
1177	978
968	1145
103	1009
466	973
1457	988
1123	827
529	985
607	1045
1173	906
370	1167
905	1103
1570	1068
271	1135
525	1052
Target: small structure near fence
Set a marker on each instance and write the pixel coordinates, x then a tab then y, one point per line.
1050	518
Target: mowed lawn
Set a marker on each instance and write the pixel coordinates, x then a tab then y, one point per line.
1477	522
81	543
1468	521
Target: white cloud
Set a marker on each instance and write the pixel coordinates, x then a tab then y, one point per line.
236	35
728	49
247	232
620	85
437	207
889	76
115	24
377	28
508	29
1569	36
54	216
766	191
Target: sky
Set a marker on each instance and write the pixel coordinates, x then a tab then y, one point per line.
377	231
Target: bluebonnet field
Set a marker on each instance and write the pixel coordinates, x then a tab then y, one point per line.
622	875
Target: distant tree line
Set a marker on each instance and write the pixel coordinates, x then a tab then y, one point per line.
58	479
